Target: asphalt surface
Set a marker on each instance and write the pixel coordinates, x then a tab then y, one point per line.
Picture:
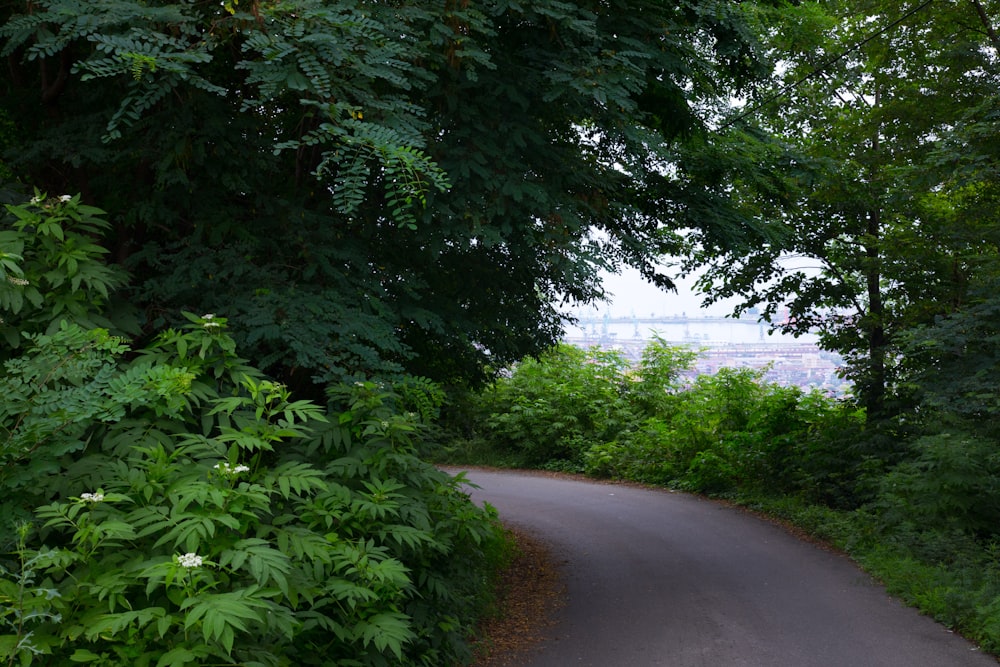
658	578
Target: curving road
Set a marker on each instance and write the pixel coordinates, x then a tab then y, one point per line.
656	578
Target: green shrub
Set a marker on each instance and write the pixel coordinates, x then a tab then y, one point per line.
558	406
710	429
52	268
952	483
659	378
239	527
642	454
734	431
710	472
829	464
583	410
170	505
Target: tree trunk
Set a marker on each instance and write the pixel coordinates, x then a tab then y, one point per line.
874	395
987	25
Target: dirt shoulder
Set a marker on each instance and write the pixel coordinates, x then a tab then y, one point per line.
531	591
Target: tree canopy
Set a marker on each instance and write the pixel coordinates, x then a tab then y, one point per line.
880	205
377	187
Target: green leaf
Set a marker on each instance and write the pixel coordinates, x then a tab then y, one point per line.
222	614
177	657
83	655
387	631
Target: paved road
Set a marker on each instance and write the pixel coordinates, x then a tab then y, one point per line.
665	579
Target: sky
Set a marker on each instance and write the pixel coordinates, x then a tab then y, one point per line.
631	295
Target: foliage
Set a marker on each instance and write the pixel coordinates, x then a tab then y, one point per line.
367	189
557	406
661	372
640	454
732	431
55	393
52	268
584	409
869	234
953	360
951	484
241	526
170	505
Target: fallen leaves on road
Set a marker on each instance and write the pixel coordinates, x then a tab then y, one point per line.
531	591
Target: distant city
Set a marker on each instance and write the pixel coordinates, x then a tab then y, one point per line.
723	341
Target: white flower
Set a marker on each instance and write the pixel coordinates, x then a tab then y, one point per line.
92	497
385	424
231	471
189	560
18	281
65	198
37	199
209	321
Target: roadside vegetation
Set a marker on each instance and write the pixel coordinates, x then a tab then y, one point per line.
169	504
916	502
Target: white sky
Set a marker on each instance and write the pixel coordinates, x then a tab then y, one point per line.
629	294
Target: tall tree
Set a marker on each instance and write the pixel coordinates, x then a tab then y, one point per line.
368	187
860	253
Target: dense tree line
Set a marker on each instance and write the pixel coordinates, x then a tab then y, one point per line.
885	236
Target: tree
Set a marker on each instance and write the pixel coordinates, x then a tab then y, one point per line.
864	246
376	187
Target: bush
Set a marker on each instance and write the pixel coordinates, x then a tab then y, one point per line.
951	484
641	454
171	506
583	410
236	527
659	378
52	269
558	406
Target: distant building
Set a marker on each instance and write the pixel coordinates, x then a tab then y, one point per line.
724	342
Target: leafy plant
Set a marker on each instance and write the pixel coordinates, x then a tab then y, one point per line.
375	189
171	505
52	267
213	528
555	407
951	484
56	392
24	605
660	375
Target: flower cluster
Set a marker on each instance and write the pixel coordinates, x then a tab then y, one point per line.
229	470
209	321
39	200
20	282
189	560
92	497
